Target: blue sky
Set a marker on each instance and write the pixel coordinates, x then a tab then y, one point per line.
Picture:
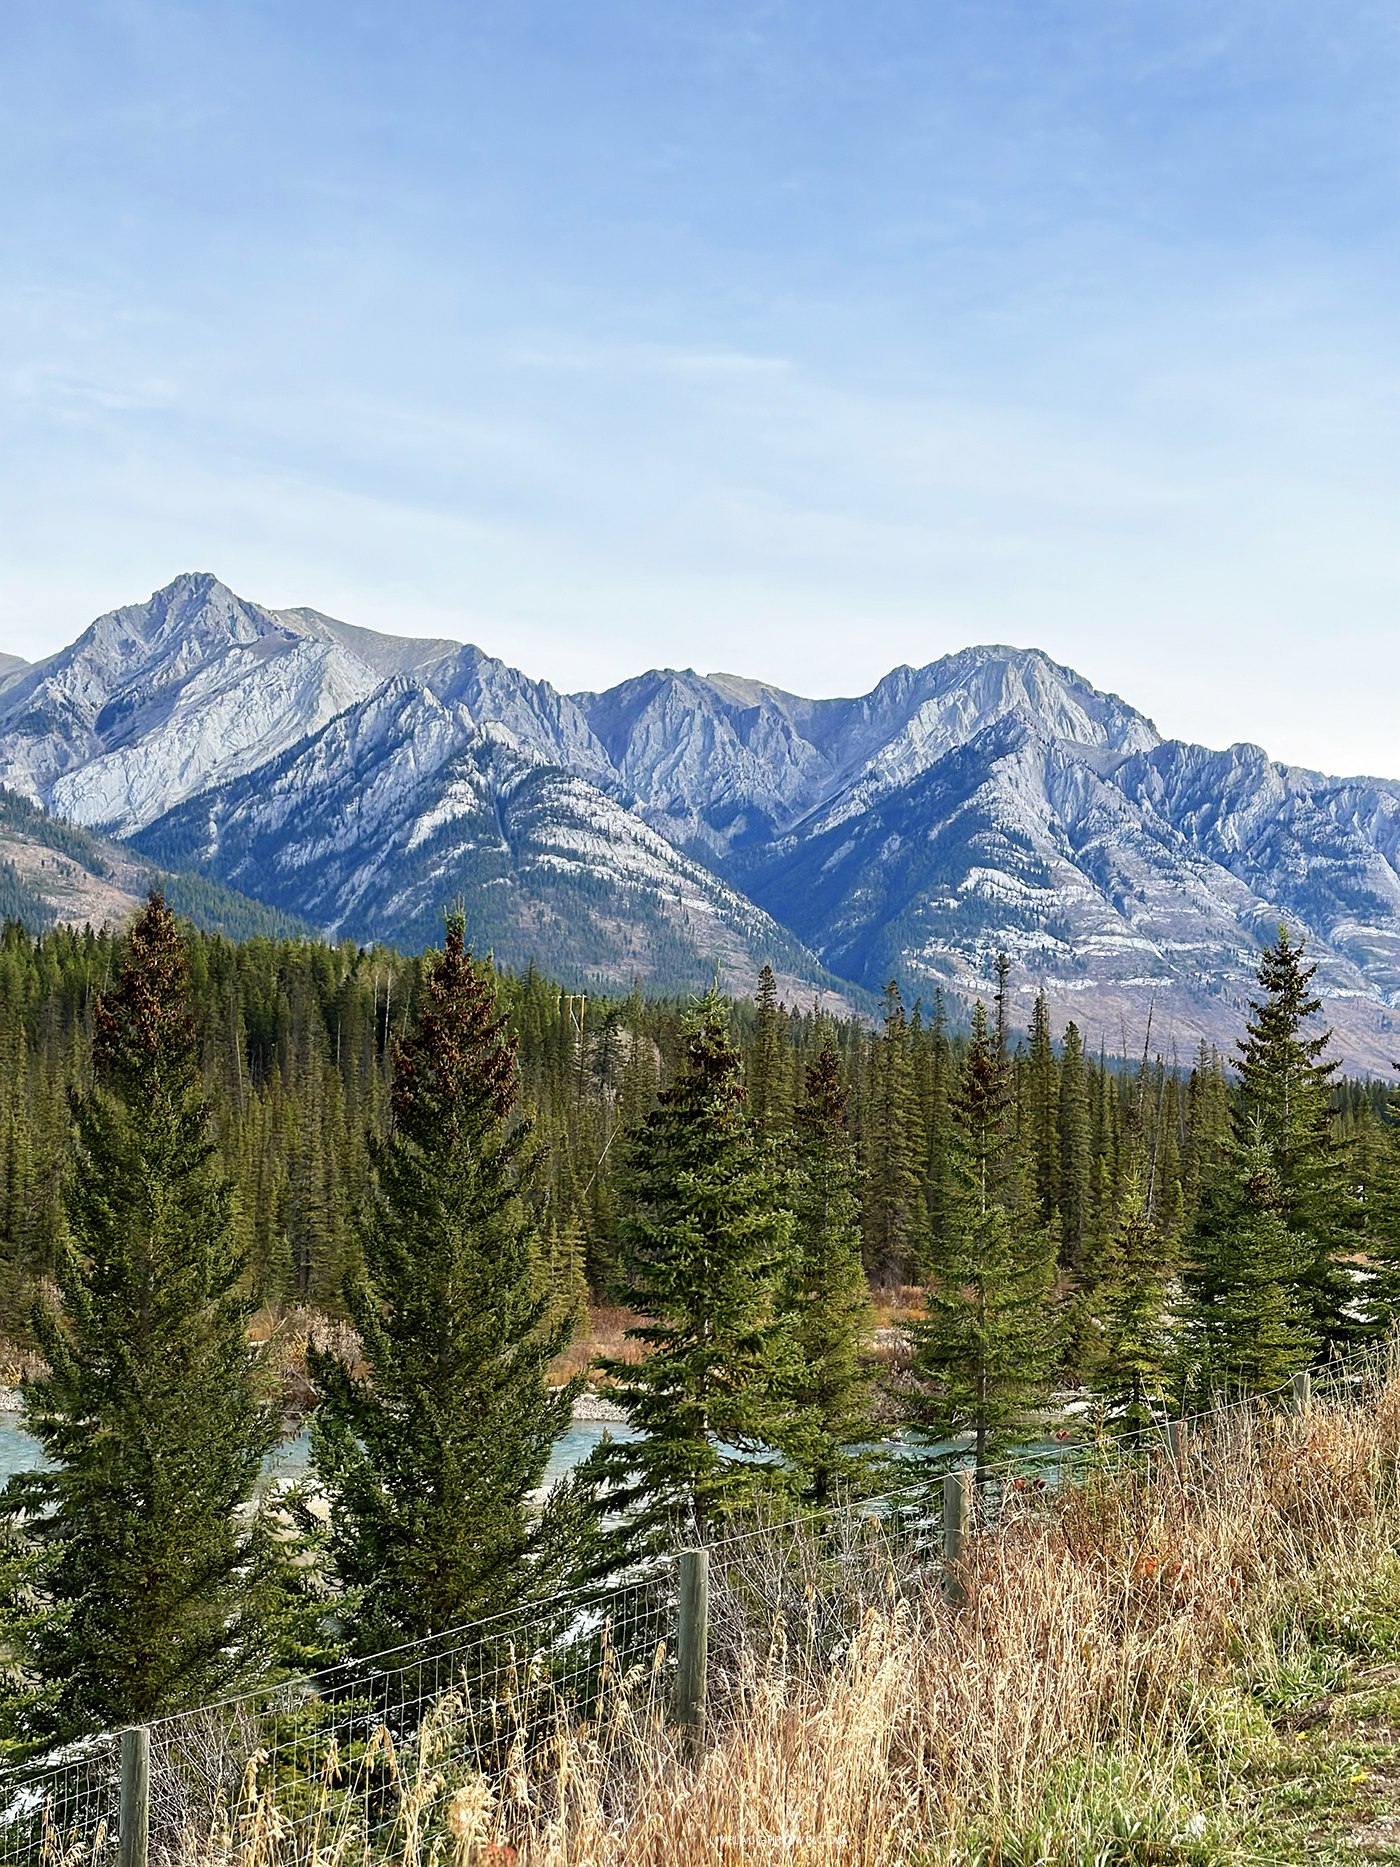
796	340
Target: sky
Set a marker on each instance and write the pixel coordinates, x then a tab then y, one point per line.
795	340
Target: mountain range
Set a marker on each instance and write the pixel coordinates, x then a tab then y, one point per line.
990	800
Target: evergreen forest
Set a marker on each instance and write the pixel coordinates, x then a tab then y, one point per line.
816	1233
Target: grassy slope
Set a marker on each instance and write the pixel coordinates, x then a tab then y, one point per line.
1193	1662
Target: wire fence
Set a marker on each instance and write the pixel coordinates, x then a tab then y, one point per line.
71	1802
355	1762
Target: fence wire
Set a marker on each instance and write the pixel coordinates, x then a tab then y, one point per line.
63	1813
379	1758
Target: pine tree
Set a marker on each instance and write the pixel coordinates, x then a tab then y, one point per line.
1263	1276
1043	1113
1085	1323
1383	1220
430	1458
150	1414
1249	1324
1207	1136
562	1275
938	1120
985	1342
1284	1106
769	1102
1076	1156
826	1300
705	1237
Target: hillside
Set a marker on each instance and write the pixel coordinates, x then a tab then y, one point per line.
54	873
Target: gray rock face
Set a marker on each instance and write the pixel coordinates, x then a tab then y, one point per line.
724	763
990	800
155	701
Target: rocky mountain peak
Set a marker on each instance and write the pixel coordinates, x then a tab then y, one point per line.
991	799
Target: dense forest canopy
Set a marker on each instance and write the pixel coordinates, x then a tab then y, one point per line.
297	1040
450	1159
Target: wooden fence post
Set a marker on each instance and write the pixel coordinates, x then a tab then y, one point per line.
692	1641
1302	1391
955	1491
134	1814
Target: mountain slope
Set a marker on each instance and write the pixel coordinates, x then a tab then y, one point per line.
1016	841
992	799
53	873
404	803
156	700
721	764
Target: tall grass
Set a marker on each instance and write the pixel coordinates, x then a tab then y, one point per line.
1083	1706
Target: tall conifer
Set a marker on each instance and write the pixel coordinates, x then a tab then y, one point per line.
1382	1296
1129	1367
938	1119
1043	1114
1284	1106
1076	1156
769	1099
1263	1271
895	1217
430	1458
149	1415
705	1236
985	1344
825	1298
1249	1325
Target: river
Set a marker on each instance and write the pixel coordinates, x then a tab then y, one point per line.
20	1453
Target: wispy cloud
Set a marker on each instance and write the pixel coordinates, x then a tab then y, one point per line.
796	340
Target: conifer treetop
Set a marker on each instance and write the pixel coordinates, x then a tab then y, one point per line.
146	1026
1273	1030
457	1072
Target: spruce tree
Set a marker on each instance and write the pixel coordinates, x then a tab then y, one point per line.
1383	1220
1076	1156
1284	1106
1249	1324
769	1102
1084	1326
1129	1368
895	1217
826	1300
150	1414
1207	1136
1264	1279
431	1456
938	1118
705	1236
1043	1113
985	1343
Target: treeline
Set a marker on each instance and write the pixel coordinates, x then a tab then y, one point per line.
296	1041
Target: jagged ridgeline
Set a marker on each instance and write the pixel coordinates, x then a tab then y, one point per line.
297	1040
991	801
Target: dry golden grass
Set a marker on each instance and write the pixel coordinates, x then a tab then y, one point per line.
1105	1657
19	1363
895	1305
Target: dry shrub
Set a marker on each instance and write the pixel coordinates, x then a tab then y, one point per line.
284	1337
857	1719
603	1331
